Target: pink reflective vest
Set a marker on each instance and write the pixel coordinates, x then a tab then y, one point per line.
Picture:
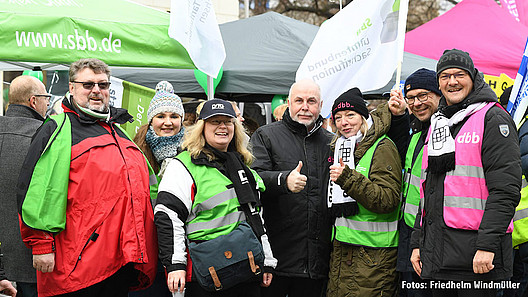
465	190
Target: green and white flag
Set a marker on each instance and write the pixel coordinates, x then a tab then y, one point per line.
134	98
193	24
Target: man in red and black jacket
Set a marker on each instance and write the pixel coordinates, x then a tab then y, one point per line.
84	198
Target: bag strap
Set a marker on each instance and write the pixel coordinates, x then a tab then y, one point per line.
216	280
254	220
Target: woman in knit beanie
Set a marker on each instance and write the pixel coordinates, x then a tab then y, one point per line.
363	196
161	137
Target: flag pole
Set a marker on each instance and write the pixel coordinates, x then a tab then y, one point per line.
402	26
398	74
210	87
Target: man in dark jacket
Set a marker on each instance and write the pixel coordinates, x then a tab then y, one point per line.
28	102
422	96
471	186
291	156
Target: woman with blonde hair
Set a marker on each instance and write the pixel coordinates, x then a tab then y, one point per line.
363	196
208	201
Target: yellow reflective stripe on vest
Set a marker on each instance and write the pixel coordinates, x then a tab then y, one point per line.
229	219
520	214
367	226
465	202
212	202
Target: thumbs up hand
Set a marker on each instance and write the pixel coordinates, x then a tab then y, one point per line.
336	170
295	180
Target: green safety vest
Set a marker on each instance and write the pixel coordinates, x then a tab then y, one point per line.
411	181
520	219
50	214
367	228
215	210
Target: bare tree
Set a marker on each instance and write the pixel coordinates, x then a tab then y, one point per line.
420	12
317	11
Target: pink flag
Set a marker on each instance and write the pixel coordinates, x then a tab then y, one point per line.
518	9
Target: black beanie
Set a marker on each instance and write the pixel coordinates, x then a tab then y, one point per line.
422	79
455	58
351	100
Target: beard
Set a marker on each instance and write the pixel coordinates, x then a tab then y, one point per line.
307	123
97	108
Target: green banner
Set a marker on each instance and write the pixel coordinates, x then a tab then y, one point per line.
119	32
136	100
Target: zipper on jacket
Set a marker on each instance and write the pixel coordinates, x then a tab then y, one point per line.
93	238
113	133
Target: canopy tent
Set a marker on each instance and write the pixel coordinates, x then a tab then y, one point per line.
263	54
119	32
493	38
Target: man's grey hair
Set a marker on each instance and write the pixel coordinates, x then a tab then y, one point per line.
305	81
96	65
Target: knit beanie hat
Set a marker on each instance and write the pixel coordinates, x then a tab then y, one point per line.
351	100
455	58
422	79
164	86
164	101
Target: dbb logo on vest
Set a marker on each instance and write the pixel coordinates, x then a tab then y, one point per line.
217	106
468	138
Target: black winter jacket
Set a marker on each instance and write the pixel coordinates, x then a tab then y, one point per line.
298	224
447	253
523	138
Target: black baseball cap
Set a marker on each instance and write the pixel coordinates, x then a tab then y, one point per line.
216	107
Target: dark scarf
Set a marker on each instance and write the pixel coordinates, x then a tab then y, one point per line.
244	183
163	147
239	174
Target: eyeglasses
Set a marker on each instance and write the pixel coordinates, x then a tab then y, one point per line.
218	122
457	76
88	85
422	97
46	96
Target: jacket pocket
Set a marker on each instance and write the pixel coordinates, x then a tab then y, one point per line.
93	237
458	249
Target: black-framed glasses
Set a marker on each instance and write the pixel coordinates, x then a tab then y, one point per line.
88	85
422	97
46	96
457	76
229	122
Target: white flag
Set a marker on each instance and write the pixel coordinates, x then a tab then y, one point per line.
193	24
360	46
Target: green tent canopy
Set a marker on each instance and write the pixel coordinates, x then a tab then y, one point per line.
119	32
